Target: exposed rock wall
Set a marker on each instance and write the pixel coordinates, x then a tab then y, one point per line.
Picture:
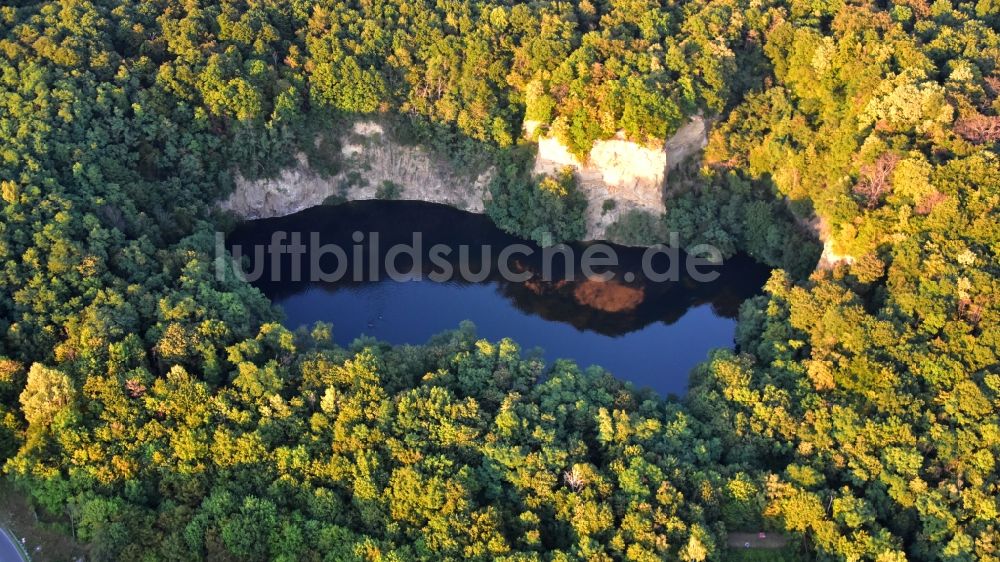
373	159
829	258
691	138
630	174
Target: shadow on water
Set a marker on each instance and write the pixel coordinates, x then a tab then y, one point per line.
647	331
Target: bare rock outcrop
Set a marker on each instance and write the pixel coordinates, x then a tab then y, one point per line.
830	258
373	166
691	138
629	174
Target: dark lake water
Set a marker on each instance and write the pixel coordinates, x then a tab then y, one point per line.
637	327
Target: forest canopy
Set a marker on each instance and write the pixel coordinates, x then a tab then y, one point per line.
160	412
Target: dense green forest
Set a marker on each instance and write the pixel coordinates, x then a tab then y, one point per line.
162	414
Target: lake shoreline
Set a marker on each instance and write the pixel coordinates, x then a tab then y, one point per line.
610	322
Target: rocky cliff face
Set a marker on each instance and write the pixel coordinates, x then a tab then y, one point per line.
690	139
631	175
830	258
373	165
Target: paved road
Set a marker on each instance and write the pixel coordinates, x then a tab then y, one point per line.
9	550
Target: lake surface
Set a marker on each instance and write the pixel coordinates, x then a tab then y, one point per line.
636	326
